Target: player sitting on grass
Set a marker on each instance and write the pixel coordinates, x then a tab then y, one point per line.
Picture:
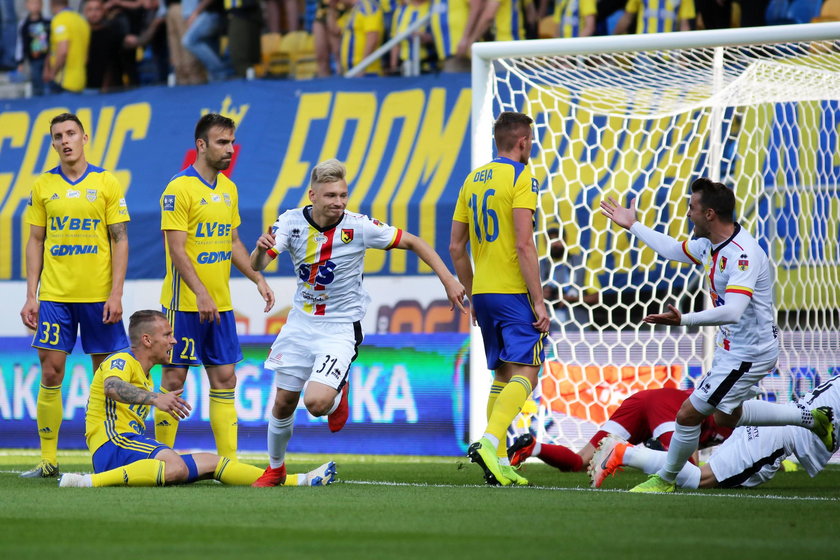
644	415
750	456
120	398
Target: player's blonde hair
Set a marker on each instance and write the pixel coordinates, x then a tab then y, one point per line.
329	171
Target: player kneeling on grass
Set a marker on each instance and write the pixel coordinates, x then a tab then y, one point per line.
750	456
120	398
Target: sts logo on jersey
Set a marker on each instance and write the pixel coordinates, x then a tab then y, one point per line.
346	236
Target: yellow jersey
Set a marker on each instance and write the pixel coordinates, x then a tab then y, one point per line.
70	26
365	17
106	418
660	16
405	15
449	20
77	247
208	214
486	204
570	15
510	23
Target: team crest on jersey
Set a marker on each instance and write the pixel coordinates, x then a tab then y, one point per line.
722	264
203	202
91	195
743	262
226	196
118	363
377	223
346	235
71	193
169	203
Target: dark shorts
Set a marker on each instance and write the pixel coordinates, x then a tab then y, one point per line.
59	324
125	449
506	323
208	343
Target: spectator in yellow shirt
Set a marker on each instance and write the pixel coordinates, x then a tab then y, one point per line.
65	69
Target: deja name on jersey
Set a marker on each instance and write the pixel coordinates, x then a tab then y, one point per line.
329	263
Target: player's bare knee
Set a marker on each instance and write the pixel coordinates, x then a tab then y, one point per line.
688	415
173	379
176	470
318	405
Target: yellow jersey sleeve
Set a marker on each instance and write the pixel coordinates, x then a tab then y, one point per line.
116	210
175	204
235	219
525	191
36	212
461	210
60	28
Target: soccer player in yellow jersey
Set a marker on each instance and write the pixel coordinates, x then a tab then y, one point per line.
76	258
121	395
199	218
494	213
66	65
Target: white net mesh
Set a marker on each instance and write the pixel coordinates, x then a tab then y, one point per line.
762	119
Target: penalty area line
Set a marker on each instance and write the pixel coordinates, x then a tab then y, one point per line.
579	489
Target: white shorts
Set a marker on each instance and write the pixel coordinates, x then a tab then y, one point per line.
308	349
730	382
752	455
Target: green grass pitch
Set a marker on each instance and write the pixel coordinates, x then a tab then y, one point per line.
408	507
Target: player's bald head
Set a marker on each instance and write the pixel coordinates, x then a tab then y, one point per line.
143	322
509	128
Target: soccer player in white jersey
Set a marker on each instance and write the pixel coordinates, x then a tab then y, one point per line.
747	348
76	258
751	456
320	340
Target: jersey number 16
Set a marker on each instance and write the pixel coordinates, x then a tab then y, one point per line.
488	228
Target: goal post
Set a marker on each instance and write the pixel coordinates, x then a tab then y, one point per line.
642	116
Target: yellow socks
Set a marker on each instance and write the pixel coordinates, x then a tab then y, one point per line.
146	472
507	406
223	421
166	427
495	389
236	473
50	411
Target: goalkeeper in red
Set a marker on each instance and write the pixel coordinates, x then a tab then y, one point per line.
495	215
747	345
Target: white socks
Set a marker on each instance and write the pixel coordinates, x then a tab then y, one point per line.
762	413
683	443
650	461
335	403
279	434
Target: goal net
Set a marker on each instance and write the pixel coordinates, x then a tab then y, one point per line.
643	116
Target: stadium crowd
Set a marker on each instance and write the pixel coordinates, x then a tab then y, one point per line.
107	45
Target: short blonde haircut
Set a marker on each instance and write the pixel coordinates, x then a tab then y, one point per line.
330	171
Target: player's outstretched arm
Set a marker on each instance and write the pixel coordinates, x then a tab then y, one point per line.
259	256
455	292
176	241
242	261
34	265
665	245
124	392
112	311
726	314
526	252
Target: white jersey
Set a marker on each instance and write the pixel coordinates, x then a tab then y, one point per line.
808	448
329	263
739	265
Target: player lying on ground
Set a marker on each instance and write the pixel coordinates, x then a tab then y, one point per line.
120	398
644	415
750	456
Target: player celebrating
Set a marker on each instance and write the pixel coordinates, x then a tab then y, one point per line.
495	214
120	397
751	456
327	245
645	415
76	258
747	348
200	217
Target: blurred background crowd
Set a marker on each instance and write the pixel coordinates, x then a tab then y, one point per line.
110	45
